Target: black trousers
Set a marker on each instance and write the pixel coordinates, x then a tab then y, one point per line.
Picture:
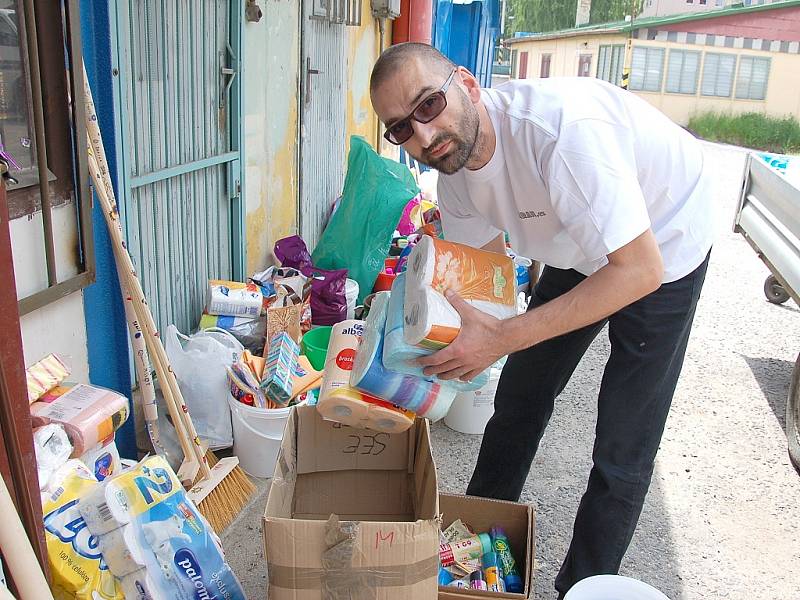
648	343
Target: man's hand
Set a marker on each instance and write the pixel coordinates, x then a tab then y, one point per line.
476	347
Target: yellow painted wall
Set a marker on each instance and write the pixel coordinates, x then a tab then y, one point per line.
783	94
270	122
363	50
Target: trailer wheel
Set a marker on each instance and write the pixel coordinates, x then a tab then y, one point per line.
774	291
793	415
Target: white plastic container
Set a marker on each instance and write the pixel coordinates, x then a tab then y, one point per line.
257	435
613	587
351	294
470	411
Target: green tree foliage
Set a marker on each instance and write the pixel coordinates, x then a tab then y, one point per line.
552	15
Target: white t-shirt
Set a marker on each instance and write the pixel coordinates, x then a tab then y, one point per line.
580	169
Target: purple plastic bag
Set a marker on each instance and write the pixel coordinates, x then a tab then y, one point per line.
292	252
328	300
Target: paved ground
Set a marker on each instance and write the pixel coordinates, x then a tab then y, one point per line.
722	519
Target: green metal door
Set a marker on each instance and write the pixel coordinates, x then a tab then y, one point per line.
178	106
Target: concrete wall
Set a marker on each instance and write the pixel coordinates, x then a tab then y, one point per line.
59	327
782	99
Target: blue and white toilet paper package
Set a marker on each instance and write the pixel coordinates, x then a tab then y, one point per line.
402	356
154	539
425	398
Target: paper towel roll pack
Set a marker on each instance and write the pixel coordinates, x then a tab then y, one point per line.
340	402
401	356
154	537
89	414
486	280
425	398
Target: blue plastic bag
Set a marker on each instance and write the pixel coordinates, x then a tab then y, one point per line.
358	236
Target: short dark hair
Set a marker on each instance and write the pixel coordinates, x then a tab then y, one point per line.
395	57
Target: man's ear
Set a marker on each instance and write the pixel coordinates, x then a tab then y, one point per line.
470	84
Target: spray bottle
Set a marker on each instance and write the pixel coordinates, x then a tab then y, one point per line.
511	576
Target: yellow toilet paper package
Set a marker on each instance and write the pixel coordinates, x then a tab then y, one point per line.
77	568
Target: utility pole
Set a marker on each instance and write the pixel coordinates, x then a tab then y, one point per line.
626	69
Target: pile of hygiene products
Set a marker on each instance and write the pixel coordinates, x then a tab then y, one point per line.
371	377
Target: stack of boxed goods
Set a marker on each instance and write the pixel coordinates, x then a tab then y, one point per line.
72	420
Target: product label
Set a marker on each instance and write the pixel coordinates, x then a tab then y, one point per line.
345	359
499	282
72	403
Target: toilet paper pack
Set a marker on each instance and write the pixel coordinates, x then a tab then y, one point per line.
425	398
402	356
486	280
150	529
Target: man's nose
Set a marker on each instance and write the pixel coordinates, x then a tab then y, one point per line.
425	133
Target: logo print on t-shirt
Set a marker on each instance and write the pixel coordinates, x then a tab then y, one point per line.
532	214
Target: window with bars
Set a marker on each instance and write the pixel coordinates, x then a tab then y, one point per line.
751	81
41	128
610	61
718	71
647	69
682	71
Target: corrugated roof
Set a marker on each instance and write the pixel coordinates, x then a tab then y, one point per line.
649	22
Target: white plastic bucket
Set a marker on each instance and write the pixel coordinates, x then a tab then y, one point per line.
351	294
257	435
613	587
470	411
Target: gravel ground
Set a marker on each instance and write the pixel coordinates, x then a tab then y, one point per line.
722	519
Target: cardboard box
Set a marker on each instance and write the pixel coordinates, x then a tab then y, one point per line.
352	513
480	514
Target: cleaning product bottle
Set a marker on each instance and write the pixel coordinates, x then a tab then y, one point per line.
510	574
466	549
492	572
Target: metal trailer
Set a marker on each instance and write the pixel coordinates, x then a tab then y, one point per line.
768	216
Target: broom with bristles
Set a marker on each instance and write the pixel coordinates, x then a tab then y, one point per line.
219	488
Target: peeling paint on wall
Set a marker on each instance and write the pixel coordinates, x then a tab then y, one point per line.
364	48
271	120
271	62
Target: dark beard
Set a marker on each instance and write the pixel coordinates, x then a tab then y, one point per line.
463	142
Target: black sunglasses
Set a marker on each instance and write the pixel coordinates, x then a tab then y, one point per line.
425	112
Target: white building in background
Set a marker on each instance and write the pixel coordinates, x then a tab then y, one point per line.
663	8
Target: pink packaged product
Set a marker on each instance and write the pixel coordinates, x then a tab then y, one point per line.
90	415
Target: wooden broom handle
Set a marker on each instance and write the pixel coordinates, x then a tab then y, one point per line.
18	553
172	395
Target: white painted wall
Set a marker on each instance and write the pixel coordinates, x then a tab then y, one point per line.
59	327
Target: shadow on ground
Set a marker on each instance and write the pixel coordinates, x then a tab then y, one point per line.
773	376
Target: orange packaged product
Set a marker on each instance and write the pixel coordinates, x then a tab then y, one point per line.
486	280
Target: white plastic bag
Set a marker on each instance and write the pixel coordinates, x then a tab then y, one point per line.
199	363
